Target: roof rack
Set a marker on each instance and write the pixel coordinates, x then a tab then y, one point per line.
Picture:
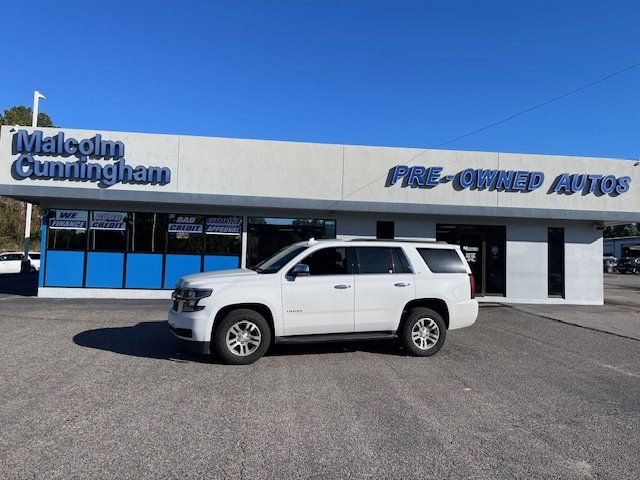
395	240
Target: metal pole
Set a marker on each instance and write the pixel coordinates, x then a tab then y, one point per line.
26	264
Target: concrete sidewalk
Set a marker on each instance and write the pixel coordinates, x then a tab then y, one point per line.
619	316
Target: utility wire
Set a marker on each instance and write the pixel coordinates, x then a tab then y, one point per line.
504	120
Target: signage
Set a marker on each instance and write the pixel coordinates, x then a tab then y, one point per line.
79	169
108	221
419	176
223	226
69	220
185	224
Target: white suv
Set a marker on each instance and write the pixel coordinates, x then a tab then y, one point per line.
328	290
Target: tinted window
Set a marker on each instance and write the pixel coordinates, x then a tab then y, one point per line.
374	260
279	260
67	230
12	256
108	231
400	262
185	233
35	256
328	261
442	260
147	232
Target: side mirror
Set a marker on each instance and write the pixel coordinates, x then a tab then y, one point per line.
300	270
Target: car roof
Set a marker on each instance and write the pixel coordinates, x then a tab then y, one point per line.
369	242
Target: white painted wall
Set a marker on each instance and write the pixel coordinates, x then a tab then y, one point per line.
526	261
584	281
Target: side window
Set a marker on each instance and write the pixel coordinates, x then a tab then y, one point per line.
13	256
328	261
441	260
3	258
400	262
375	259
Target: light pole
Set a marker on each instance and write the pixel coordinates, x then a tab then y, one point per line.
26	264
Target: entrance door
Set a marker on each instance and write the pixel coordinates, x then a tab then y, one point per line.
484	247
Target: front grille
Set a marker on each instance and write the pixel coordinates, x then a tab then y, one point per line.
182	332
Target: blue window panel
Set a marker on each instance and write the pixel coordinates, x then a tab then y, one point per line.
144	270
64	268
220	262
104	269
43	251
178	266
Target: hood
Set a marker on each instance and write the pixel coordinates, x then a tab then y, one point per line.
206	278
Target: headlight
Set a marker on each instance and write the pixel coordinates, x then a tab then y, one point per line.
186	299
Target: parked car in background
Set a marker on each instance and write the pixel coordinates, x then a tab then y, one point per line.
609	264
328	290
11	262
629	265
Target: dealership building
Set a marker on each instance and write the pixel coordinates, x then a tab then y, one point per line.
125	215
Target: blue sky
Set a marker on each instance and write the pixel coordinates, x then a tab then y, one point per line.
375	72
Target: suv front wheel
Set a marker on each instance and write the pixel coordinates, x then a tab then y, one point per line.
242	337
423	332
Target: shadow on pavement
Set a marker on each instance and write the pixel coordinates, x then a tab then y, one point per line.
154	340
19	284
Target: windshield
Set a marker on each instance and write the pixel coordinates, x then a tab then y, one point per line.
279	260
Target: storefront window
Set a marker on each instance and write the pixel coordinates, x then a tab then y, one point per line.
147	232
67	230
108	231
268	235
223	236
185	233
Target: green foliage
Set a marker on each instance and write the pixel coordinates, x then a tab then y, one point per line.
12	211
12	225
629	230
21	115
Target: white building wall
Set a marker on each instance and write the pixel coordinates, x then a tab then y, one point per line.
526	262
584	281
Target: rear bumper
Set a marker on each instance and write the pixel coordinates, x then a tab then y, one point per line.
463	314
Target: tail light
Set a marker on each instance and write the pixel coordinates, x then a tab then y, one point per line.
472	284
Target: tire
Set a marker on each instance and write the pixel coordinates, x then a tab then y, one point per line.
609	269
235	337
425	327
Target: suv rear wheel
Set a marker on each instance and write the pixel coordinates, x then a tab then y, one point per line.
242	337
423	332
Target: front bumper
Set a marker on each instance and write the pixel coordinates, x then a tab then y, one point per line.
192	329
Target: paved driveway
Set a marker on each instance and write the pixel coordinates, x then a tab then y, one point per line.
100	390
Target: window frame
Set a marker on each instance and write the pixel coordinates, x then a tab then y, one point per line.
396	269
349	269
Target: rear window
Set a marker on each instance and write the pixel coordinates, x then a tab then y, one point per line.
441	260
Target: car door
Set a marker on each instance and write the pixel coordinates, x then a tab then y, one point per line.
384	285
322	301
13	262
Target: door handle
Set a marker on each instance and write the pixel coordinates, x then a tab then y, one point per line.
401	284
341	287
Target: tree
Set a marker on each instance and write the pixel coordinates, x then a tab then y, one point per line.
21	115
629	230
12	212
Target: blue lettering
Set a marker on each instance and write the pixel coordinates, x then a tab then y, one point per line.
520	182
505	180
416	176
536	180
486	178
70	146
594	182
24	160
400	171
608	184
467	177
23	142
563	185
623	185
578	182
433	177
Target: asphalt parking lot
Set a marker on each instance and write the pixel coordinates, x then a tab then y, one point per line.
100	389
